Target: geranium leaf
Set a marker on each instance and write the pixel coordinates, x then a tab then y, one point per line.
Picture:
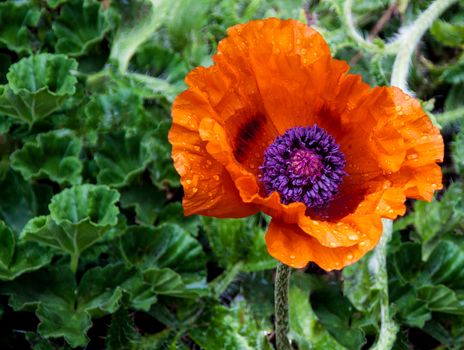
54	155
122	157
37	86
239	240
147	200
7	245
101	289
229	329
305	329
18	201
440	298
447	33
80	25
15	19
78	218
167	282
167	245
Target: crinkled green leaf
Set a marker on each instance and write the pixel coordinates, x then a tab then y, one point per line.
440	298
167	339
122	157
121	332
37	86
445	264
239	240
358	286
7	245
16	18
454	74
146	199
439	217
54	155
58	321
162	170
167	282
78	218
116	109
101	289
51	292
457	151
222	328
80	25
18	202
167	245
447	33
305	328
334	312
409	309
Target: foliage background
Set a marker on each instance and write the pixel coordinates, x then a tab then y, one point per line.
94	249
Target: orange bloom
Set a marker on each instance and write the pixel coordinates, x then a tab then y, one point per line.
271	80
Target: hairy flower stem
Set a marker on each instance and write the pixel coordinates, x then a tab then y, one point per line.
282	280
378	269
409	39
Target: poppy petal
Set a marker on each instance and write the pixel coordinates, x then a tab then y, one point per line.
293	247
208	188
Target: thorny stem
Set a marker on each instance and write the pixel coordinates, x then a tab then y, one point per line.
282	280
378	269
410	37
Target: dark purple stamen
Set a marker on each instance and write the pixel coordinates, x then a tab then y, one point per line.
303	165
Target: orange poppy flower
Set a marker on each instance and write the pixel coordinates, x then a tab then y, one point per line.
277	125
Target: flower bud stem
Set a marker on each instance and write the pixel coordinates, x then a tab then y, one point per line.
282	280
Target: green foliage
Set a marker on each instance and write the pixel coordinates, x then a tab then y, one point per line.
54	155
37	86
95	251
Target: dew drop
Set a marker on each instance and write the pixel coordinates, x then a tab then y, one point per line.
362	244
292	257
216	177
353	237
349	257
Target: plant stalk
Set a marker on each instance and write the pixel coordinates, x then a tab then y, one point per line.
282	280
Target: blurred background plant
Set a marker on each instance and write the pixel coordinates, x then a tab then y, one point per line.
95	251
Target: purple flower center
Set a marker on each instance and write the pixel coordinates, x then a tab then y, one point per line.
303	165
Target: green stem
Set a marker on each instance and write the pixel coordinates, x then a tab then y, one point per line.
282	280
74	262
378	269
348	19
410	37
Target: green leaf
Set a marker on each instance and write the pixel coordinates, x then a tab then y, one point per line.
167	245
167	282
457	147
78	218
305	328
448	34
440	298
116	109
16	18
122	157
121	332
239	240
433	220
7	245
335	313
222	328
445	264
53	155
101	289
18	203
162	171
37	86
358	286
147	200
80	26
52	293
454	74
